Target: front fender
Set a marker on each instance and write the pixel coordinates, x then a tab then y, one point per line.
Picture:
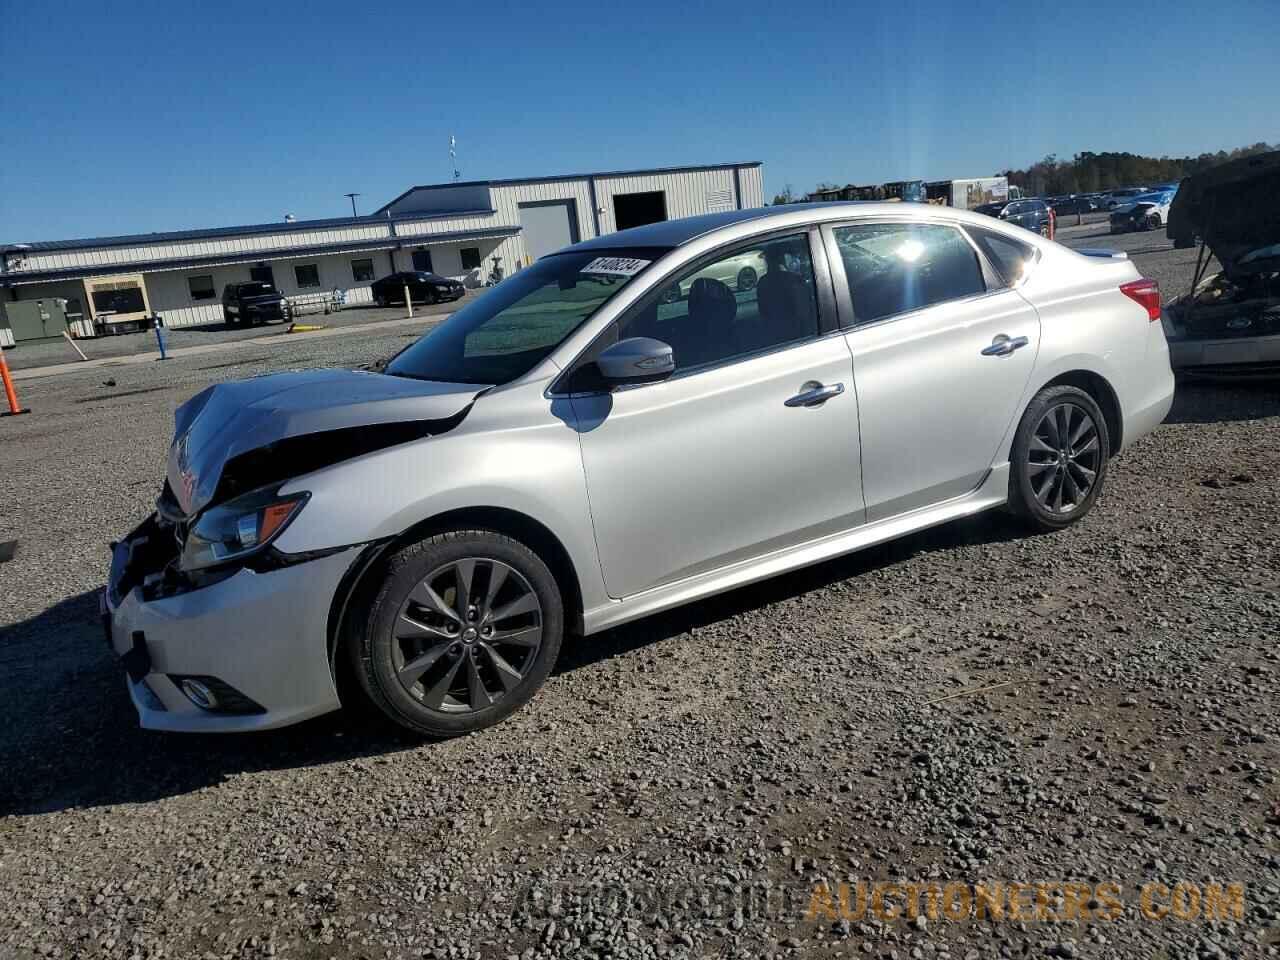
504	456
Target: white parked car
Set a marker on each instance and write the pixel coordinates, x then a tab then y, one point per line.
1148	211
574	450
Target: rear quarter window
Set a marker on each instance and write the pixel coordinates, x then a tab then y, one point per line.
1011	258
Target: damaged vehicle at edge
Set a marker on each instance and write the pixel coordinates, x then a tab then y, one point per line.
1228	324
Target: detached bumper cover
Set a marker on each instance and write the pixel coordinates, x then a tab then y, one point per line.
264	634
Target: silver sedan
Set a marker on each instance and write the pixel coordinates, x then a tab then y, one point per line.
581	447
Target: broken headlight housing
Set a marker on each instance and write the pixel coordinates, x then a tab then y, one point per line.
239	528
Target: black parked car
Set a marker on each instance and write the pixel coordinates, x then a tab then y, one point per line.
1075	204
423	288
252	302
1031	214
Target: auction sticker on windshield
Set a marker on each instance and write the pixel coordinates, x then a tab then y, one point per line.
616	266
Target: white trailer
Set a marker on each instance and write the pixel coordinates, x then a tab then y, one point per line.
968	194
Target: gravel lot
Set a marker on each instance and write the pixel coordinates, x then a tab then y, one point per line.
41	353
683	784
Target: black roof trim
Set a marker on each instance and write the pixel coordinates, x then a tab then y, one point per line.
561	177
296	253
214	233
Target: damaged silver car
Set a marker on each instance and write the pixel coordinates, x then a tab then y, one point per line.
1228	324
580	447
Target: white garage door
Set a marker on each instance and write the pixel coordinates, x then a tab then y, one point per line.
548	226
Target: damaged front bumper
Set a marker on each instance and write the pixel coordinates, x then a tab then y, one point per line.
1231	357
1221	332
242	650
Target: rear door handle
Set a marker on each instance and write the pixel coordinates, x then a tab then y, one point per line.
815	394
1002	345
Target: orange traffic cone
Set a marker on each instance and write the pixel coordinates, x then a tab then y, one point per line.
15	408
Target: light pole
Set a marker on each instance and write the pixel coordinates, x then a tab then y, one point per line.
352	198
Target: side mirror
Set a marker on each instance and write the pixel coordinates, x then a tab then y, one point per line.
636	360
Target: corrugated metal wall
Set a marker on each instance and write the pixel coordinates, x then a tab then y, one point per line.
751	180
687	193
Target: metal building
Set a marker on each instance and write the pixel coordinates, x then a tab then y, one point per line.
454	229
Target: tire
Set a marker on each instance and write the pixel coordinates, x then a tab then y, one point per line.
230	320
746	279
1044	230
430	297
380	300
1153	222
1038	464
413	621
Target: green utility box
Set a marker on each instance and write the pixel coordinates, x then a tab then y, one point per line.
37	319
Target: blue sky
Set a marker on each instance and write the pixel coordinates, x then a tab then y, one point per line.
122	118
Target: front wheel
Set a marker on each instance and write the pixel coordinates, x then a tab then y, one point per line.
1059	458
380	300
1154	222
463	631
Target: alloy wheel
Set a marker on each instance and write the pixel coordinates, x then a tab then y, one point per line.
1063	458
467	635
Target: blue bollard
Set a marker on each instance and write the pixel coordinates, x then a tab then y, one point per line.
159	325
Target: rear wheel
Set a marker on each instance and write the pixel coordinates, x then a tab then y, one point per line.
380	300
463	631
1059	458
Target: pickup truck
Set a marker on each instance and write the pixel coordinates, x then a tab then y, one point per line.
253	301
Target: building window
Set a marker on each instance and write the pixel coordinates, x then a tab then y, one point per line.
470	258
361	271
306	275
422	261
201	287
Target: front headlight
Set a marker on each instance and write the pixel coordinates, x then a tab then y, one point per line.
239	527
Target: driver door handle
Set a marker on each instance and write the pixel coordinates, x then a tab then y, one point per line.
1003	345
815	394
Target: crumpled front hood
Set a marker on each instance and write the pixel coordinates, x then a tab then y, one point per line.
1234	208
230	419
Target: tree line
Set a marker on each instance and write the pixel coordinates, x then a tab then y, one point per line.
1090	172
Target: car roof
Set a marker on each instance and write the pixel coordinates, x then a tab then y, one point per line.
675	233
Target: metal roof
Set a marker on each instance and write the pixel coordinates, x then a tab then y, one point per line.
213	233
288	253
560	177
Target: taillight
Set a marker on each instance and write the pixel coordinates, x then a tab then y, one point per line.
1145	293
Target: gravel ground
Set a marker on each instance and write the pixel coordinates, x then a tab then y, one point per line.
40	353
682	785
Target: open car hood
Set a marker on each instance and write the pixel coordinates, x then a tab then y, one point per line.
239	435
1235	209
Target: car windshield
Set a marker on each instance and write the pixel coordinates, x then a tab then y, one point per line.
509	330
255	289
990	209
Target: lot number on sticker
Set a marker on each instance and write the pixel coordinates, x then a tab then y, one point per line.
616	266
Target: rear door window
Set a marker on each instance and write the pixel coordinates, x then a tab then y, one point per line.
895	268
